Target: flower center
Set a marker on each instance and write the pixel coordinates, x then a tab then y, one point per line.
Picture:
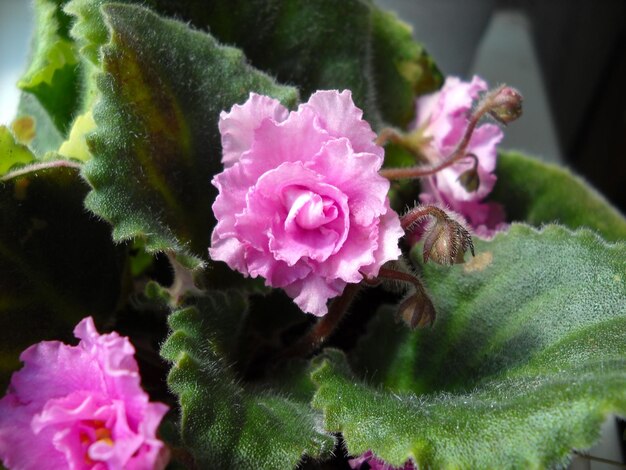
308	210
93	432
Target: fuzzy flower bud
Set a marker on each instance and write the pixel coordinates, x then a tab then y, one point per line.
446	241
506	104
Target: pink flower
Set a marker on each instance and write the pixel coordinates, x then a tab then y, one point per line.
80	407
442	118
301	202
370	462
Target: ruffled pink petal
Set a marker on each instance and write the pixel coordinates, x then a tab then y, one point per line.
389	233
270	205
64	396
229	250
449	118
357	176
53	369
312	293
339	116
276	273
297	139
238	125
19	446
356	253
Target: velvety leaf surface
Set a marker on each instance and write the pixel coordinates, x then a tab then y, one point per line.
224	423
401	68
526	359
539	193
58	262
297	41
52	74
157	146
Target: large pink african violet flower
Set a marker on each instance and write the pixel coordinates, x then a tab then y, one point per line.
80	407
442	118
301	202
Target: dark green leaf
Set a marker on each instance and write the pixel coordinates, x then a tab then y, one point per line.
401	68
157	145
539	193
58	262
525	361
319	44
224	423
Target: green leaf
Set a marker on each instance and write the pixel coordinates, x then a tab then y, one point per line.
539	193
58	262
52	74
224	423
401	68
47	136
12	153
157	145
313	44
526	359
76	144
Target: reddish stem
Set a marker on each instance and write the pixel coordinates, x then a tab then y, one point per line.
418	213
458	154
325	326
40	166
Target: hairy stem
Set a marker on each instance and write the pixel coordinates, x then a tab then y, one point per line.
325	326
40	166
459	152
418	213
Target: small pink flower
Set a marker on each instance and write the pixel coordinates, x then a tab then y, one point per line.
301	202
370	462
442	118
80	407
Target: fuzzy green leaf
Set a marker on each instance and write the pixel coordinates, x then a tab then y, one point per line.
157	145
401	68
58	262
525	361
224	423
319	44
52	75
539	193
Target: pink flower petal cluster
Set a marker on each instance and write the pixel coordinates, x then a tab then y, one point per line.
300	201
370	462
80	407
442	118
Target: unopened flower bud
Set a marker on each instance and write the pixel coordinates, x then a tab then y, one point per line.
506	104
470	180
417	310
446	242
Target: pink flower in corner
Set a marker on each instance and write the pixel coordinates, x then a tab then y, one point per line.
301	202
80	407
442	118
370	462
